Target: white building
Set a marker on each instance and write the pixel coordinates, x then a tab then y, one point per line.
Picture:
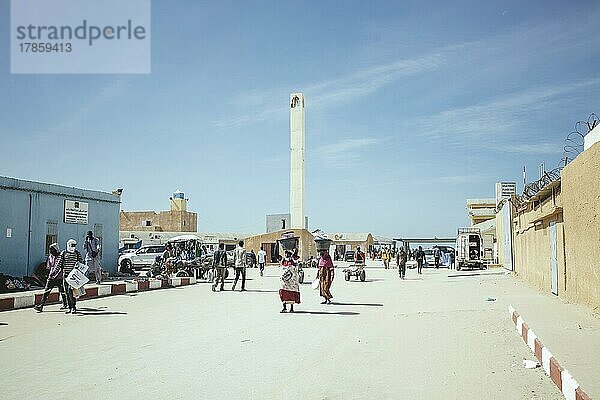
504	190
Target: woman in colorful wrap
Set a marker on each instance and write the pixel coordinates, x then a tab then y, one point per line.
326	273
290	286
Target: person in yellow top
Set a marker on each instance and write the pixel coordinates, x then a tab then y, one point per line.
385	256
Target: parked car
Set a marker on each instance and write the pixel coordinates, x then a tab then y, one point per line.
349	256
142	257
429	259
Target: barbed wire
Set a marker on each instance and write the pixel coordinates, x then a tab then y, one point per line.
574	142
574	145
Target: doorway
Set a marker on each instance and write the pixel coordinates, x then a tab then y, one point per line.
553	258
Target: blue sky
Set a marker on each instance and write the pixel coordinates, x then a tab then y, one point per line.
411	108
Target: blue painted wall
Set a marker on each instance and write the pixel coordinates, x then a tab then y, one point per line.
47	204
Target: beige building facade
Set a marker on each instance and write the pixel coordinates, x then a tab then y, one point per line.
581	199
177	219
268	241
538	238
481	210
556	234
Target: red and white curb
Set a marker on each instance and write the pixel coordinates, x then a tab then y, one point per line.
14	301
561	377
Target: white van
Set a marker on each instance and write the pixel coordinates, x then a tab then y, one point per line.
469	249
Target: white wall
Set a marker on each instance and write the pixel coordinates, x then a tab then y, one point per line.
592	137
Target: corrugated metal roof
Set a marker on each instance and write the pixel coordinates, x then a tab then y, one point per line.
58	190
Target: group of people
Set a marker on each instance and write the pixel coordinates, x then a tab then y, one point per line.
419	256
402	257
289	293
61	263
239	264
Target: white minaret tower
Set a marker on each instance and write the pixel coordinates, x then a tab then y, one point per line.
297	160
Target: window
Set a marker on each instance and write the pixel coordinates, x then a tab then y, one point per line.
147	223
51	234
283	223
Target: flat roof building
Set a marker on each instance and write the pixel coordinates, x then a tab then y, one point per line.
177	219
481	210
504	190
34	215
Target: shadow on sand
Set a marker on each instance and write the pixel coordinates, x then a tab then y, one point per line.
335	303
261	291
476	274
326	312
97	311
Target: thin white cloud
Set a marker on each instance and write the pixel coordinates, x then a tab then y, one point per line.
530	148
273	103
457	179
344	152
500	118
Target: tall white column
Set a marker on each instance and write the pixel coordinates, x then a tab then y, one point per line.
297	160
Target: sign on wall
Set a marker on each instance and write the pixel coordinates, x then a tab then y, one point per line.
76	212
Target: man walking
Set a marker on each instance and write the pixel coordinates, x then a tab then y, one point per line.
239	263
220	265
436	256
92	256
262	259
67	261
401	262
420	258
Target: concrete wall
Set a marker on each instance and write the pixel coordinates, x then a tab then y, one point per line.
581	198
532	242
47	205
275	223
504	235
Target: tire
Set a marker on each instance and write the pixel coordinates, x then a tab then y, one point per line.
347	276
363	276
301	277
